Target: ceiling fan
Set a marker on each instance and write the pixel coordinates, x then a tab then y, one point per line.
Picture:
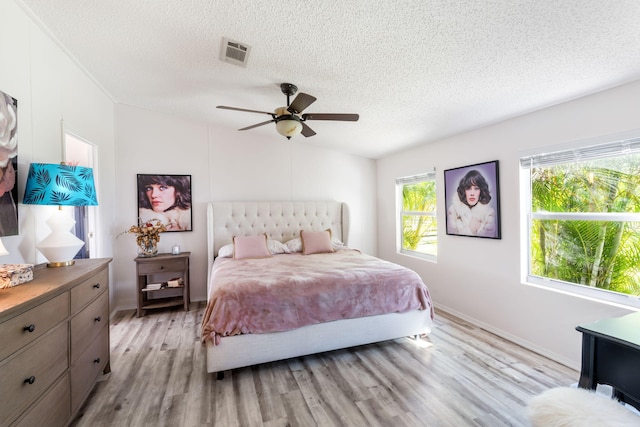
289	120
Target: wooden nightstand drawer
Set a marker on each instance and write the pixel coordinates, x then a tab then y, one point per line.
14	333
88	323
89	365
88	290
53	410
161	267
30	372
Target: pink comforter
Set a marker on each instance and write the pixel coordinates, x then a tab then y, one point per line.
285	292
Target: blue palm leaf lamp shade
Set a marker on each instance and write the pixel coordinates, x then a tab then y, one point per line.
60	185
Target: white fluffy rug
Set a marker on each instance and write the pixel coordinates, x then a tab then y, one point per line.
577	407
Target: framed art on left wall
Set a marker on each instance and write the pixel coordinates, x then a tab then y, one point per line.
8	165
166	198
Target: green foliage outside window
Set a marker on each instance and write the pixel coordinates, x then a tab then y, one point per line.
603	253
419	225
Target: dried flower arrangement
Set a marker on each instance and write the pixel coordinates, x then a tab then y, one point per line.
147	235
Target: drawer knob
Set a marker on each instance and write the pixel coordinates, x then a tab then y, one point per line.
30	380
97	286
96	361
30	328
97	319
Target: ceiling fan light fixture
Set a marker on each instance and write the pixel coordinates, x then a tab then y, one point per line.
289	120
288	126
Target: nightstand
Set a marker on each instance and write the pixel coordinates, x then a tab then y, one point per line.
163	270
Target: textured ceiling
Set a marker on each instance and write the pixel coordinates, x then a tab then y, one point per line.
416	71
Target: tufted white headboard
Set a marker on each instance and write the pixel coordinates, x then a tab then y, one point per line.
280	220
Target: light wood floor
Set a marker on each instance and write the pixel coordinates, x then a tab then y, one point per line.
459	376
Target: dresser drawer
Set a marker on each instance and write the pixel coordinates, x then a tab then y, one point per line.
42	362
88	366
53	410
14	333
177	265
88	290
88	323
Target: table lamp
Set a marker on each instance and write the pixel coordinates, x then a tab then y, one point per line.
60	185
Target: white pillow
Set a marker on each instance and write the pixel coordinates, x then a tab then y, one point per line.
226	251
277	247
294	245
337	244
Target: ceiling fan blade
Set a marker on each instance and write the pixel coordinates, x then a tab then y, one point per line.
306	130
259	124
224	107
301	102
330	116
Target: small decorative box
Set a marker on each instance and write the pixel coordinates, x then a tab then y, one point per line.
15	274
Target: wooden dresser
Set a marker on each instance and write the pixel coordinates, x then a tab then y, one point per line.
54	343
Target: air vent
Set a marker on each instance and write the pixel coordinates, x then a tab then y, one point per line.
234	52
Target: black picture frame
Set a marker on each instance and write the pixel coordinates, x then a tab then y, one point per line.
169	200
475	216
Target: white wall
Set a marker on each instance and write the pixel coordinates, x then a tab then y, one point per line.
479	279
227	165
51	89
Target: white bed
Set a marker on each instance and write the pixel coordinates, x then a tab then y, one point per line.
283	221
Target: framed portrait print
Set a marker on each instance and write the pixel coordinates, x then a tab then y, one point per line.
472	197
166	198
8	165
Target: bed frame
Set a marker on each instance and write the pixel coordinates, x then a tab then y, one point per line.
283	221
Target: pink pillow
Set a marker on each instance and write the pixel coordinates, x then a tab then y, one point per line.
250	247
316	242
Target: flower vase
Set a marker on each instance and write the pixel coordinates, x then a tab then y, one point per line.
148	249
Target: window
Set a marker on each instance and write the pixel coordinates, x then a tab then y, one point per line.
583	220
418	231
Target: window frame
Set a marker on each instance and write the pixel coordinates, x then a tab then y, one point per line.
607	146
399	186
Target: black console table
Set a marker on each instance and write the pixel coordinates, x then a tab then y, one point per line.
611	355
